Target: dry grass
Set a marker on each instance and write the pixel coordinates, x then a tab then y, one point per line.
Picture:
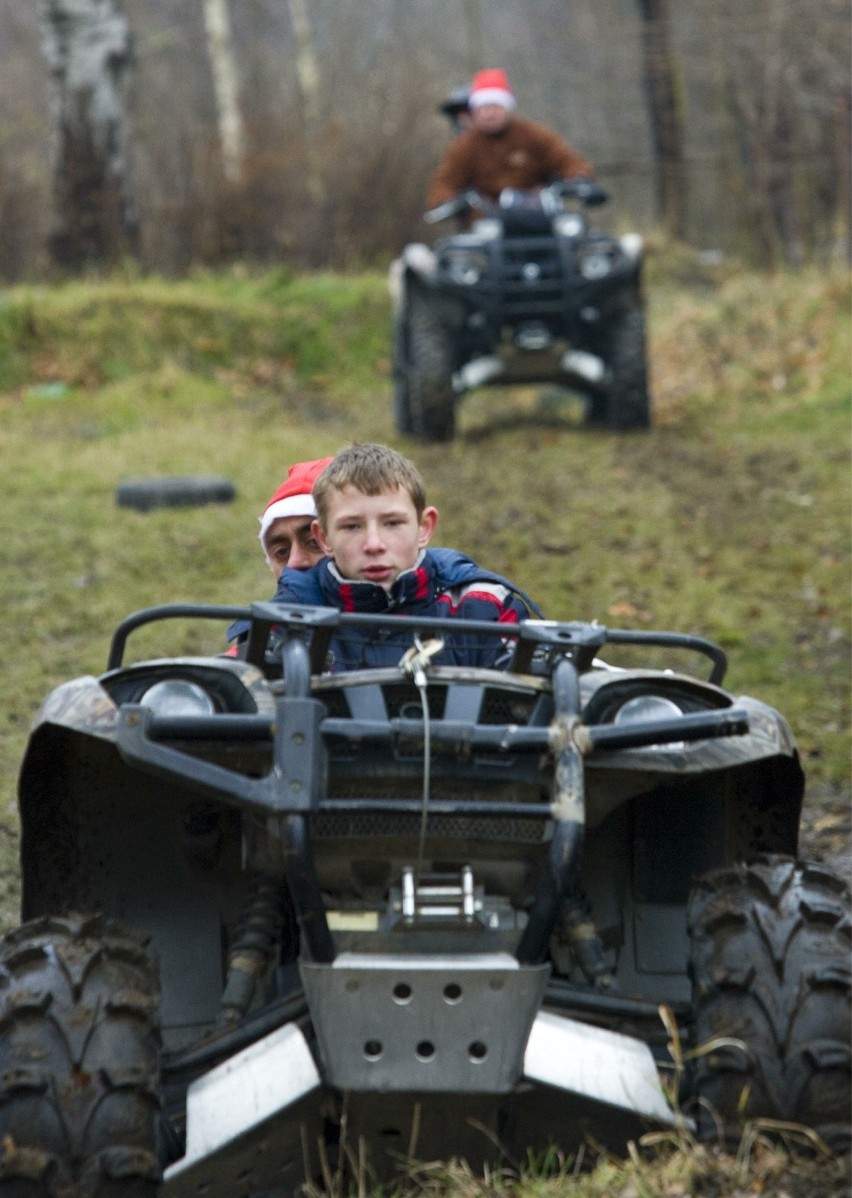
774	1160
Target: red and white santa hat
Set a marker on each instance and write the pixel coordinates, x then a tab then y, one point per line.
294	497
491	87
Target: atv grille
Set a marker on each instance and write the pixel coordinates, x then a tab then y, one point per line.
348	825
531	277
497	707
398	700
500	707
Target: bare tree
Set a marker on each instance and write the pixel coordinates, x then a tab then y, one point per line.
221	49
88	48
784	75
308	77
666	122
728	121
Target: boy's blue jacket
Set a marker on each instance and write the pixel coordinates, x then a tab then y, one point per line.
442	583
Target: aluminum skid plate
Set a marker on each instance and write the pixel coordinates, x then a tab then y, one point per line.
455	1023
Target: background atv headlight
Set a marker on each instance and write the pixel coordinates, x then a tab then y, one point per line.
595	264
177	696
488	229
569	224
464	266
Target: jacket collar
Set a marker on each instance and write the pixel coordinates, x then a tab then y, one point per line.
412	587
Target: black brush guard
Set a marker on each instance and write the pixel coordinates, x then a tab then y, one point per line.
296	786
555	294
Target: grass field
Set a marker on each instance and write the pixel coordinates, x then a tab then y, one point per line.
730	518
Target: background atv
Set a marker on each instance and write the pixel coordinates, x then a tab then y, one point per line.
530	293
272	913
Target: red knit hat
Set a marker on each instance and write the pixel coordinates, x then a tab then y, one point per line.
293	497
491	87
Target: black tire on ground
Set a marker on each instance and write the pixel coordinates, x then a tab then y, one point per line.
79	1072
143	494
401	398
770	967
625	404
430	378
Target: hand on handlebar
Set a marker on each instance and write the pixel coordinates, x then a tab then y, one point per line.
459	204
582	188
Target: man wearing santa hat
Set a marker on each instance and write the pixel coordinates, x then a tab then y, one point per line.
500	149
285	526
285	531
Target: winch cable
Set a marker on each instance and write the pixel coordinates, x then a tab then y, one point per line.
420	683
414	664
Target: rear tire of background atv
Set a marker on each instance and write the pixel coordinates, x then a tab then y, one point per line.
430	375
401	396
770	967
626	403
79	1073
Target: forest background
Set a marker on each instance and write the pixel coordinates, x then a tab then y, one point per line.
306	132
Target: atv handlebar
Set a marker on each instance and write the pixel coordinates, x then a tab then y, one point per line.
581	187
587	191
580	640
465	202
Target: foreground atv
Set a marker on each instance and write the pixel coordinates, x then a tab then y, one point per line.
277	920
530	293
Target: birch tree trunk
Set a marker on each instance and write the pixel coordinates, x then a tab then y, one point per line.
88	48
220	47
308	78
666	122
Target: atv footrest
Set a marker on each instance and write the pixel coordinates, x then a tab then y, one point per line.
419	1023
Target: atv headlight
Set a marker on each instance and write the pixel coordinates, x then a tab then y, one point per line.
569	224
488	229
464	266
596	263
643	709
177	696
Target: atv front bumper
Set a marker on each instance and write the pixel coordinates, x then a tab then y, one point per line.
428	1057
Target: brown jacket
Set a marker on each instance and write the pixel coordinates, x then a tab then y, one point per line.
524	155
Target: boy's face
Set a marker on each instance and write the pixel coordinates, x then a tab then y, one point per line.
290	542
373	538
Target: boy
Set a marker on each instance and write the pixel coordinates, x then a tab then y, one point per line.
374	524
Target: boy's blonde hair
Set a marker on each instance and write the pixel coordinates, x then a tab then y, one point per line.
371	469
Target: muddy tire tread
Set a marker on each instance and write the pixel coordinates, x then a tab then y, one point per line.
79	1062
625	404
430	383
770	967
401	397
